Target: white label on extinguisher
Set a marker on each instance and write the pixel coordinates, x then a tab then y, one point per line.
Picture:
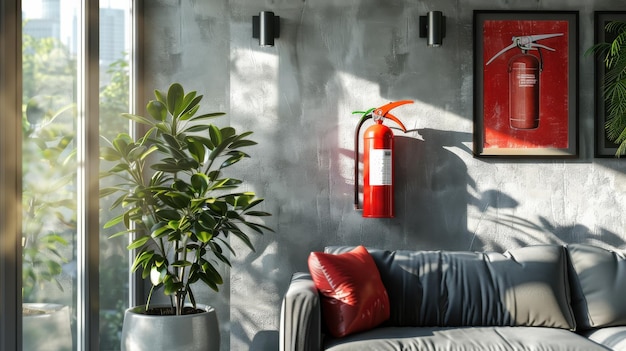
380	167
527	79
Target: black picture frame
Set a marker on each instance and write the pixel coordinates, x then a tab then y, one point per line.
511	142
603	147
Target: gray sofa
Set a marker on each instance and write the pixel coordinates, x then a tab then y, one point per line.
544	297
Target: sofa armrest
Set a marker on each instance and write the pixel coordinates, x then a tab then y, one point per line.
300	317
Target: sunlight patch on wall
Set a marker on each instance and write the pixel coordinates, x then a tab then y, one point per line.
255	74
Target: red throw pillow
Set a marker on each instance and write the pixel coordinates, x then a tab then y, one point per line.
353	295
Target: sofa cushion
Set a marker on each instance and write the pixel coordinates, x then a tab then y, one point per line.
353	296
612	337
463	339
598	282
523	287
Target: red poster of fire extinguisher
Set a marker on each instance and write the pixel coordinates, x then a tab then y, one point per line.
378	197
524	79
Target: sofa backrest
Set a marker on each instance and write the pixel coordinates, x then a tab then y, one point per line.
522	287
598	283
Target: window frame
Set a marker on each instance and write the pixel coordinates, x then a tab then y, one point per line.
10	182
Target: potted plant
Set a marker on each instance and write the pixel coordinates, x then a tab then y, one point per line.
613	54
181	210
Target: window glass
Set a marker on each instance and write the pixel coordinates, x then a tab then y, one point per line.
49	213
114	100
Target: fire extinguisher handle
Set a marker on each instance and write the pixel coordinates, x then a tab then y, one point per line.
514	45
384	110
395	119
526	42
535	45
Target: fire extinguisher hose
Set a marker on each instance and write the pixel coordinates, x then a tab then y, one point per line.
356	158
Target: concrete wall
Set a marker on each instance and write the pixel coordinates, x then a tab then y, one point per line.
334	57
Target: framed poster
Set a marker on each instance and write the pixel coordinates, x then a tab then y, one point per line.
525	84
603	146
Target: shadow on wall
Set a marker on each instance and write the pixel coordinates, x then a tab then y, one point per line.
265	340
431	190
432	200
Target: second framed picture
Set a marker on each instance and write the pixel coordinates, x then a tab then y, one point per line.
604	147
525	84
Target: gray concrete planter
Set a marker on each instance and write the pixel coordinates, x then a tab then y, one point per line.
193	332
46	327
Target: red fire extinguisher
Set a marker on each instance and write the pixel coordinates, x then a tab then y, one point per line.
378	199
524	70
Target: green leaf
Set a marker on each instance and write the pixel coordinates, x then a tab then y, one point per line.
259	228
207	220
139	242
197	128
157	110
204	236
219	207
196	149
244	238
222	258
200	183
210	276
228	132
191	106
205	141
142	259
160	230
113	221
121	142
181	263
171	287
118	234
168	215
160	96
138	119
192	298
189	98
175	200
163	127
252	203
207	116
258	213
108	191
215	134
175	96
109	154
219	184
173	144
213	175
157	276
234	158
136	153
180	185
242	143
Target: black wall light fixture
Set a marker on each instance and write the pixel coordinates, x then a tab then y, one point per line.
433	27
266	27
